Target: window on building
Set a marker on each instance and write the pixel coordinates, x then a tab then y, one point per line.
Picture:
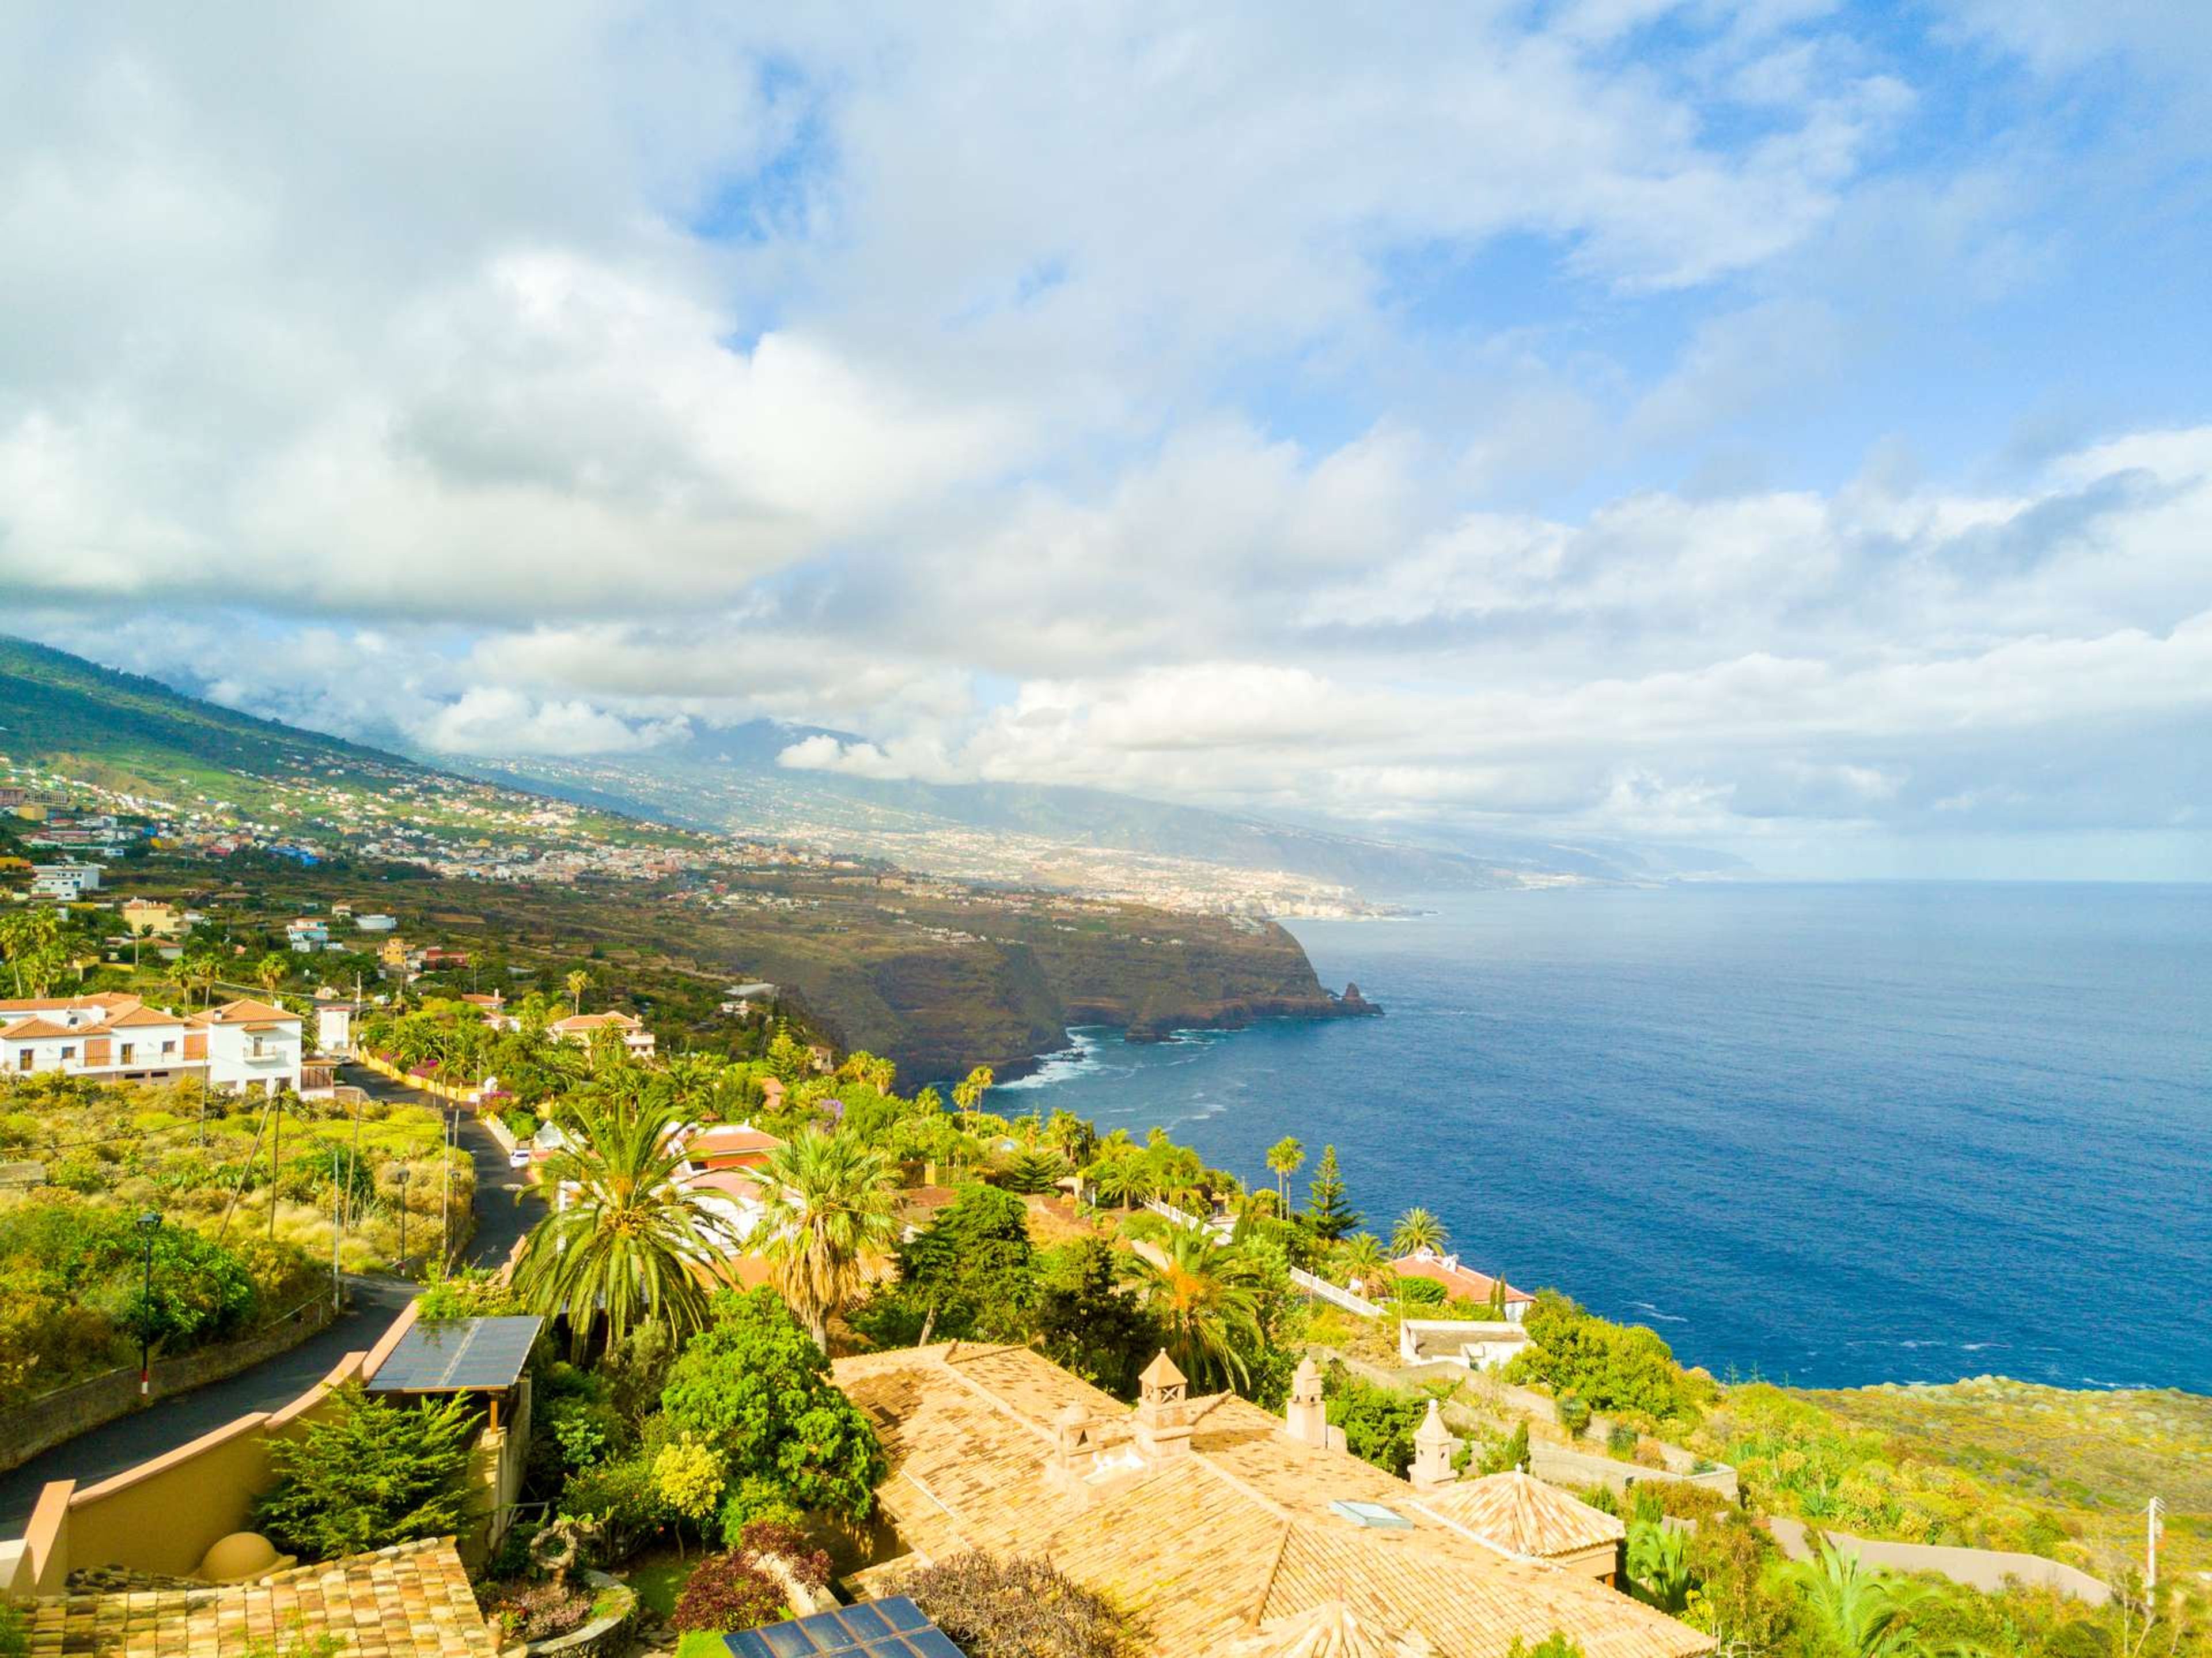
68	1053
130	1052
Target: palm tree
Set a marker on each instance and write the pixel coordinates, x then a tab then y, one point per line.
693	1081
829	1200
271	970
626	1236
1205	1296
1419	1229
1122	1181
1285	1158
1361	1258
1855	1610
576	981
967	1092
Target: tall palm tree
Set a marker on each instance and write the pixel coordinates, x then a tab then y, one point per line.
1417	1230
829	1200
626	1236
1205	1296
1857	1611
1285	1158
272	970
576	981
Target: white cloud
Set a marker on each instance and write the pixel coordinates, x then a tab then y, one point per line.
490	719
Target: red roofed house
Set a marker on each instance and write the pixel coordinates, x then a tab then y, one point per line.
1460	1283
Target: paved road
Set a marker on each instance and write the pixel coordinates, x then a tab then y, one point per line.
504	1212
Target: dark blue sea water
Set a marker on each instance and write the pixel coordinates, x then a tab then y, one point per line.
1834	1135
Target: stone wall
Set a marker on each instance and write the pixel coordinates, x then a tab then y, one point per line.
46	1421
1562	1467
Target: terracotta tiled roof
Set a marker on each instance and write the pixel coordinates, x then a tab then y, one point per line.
1220	1541
594	1021
1460	1280
1518	1512
143	1016
245	1011
411	1600
1329	1630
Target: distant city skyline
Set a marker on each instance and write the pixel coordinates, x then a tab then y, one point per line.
1770	425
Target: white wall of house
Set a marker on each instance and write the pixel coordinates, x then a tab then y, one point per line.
253	1060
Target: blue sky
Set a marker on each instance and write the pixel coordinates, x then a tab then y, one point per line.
1772	424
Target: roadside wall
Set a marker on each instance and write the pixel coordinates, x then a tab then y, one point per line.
1562	1467
1982	1568
46	1421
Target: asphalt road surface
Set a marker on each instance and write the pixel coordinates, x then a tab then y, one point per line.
505	1211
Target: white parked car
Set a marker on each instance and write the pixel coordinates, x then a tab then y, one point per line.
519	1158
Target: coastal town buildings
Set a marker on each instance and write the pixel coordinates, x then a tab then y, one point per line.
1212	1520
240	1046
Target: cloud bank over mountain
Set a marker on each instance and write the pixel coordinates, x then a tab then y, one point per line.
1765	424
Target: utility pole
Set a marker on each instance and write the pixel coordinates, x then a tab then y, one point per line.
148	1224
2154	1529
401	1177
446	1186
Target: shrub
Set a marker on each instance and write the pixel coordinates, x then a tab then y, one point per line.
1421	1292
1378	1423
1619	1369
1557	1645
535	1612
1020	1608
622	1496
1574	1415
470	1292
367	1475
765	1538
755	1389
1621	1440
1505	1455
728	1592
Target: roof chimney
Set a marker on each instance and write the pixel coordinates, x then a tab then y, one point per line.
1306	1418
1433	1445
1162	1410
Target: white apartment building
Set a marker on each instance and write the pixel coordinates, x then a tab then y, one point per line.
241	1046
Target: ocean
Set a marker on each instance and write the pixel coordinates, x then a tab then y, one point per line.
1831	1135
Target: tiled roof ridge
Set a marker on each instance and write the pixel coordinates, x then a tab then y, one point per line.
1254	1619
1036	1429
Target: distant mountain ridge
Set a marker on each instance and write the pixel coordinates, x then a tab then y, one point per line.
729	779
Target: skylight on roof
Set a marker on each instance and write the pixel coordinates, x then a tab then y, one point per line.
1373	1515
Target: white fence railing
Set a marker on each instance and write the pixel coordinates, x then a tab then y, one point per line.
1335	1294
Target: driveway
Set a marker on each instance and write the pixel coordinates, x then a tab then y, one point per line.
505	1211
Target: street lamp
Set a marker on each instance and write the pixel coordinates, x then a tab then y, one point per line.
402	1178
148	1224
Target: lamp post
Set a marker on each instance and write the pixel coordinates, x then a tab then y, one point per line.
402	1178
148	1224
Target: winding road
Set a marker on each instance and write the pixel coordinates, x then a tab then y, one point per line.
505	1209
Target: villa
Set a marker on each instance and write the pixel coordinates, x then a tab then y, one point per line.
583	1027
1461	1283
240	1046
1223	1528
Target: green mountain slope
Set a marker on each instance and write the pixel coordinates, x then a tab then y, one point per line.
137	735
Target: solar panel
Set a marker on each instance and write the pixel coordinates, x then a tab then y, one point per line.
896	1628
456	1355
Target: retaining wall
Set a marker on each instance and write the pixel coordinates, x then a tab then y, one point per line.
1982	1568
45	1422
1564	1466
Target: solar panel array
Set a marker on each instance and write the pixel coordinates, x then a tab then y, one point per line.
453	1356
896	1628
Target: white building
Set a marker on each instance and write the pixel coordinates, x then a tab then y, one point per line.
242	1046
372	923
64	881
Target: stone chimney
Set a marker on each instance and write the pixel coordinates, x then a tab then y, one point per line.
1306	1418
1071	1434
1433	1445
1162	1411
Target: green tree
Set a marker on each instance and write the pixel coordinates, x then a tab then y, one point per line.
367	1475
1613	1367
1417	1230
971	1273
1285	1158
754	1387
829	1202
1033	1170
1379	1422
1203	1296
576	981
627	1234
1326	1207
1658	1574
1087	1322
1122	1179
968	1093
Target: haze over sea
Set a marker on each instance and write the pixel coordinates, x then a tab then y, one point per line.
1832	1135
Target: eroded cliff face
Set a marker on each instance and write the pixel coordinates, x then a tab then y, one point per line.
939	1009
